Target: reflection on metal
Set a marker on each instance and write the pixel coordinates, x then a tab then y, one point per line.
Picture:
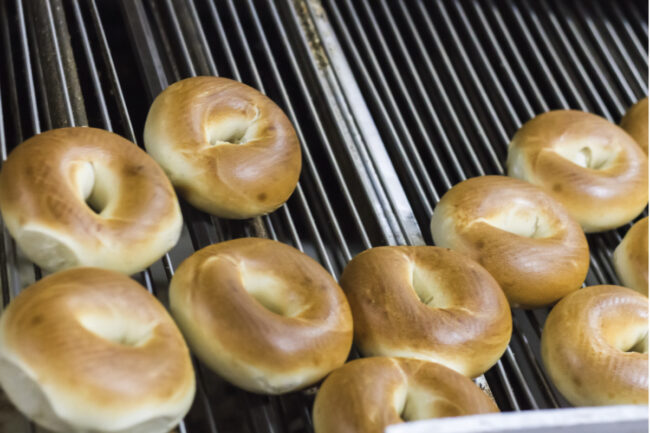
619	419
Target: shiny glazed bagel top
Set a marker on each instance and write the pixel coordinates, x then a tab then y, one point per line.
230	150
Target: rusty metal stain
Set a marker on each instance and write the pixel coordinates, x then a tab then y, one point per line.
307	24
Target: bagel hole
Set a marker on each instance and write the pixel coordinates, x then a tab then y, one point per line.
640	346
233	131
118	330
407	413
591	159
422	404
624	333
595	155
270	292
522	222
427	287
268	302
92	190
235	137
95	205
83	176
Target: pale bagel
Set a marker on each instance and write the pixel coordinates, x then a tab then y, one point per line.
87	197
90	350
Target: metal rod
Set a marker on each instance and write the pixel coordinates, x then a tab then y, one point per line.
27	64
476	126
502	60
410	105
320	128
385	117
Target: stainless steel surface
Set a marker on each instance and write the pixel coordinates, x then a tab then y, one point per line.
394	102
620	419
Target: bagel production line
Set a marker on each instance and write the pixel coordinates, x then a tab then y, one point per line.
324	216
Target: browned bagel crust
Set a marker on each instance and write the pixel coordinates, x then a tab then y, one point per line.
367	395
42	188
428	303
592	166
586	346
262	314
631	258
104	353
227	148
523	237
635	122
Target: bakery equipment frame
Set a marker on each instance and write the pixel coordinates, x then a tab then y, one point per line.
394	101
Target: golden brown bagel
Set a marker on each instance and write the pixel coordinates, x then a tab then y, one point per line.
524	238
226	147
635	122
49	183
262	314
428	303
367	395
595	346
592	166
90	350
631	258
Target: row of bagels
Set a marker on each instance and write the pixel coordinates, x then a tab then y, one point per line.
88	197
89	349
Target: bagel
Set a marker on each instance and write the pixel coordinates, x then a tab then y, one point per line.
524	238
595	346
635	122
367	395
90	350
228	149
428	303
87	197
261	314
631	258
590	165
